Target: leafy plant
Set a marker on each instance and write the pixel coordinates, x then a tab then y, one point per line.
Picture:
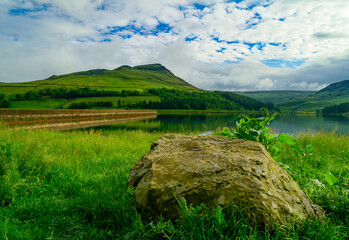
255	129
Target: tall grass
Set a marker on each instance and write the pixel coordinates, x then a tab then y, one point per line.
69	185
73	185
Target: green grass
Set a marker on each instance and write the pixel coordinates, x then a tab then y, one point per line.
73	185
38	104
52	103
275	97
114	100
311	104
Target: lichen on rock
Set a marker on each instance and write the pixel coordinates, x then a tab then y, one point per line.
218	171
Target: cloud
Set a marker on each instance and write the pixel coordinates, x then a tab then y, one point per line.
230	45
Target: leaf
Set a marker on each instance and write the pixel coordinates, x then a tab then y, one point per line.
332	180
284	138
310	148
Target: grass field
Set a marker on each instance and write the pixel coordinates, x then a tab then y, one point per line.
275	97
73	185
64	103
38	104
311	105
114	100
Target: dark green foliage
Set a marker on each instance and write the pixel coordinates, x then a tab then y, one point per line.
275	97
201	100
88	105
170	98
5	103
68	93
339	108
247	102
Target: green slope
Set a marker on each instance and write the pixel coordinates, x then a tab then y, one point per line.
335	93
275	97
122	78
164	91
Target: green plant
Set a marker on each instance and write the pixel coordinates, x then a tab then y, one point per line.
255	129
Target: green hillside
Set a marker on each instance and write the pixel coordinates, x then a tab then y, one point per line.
275	97
333	94
142	87
122	78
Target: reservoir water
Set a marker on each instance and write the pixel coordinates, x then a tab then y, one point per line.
290	124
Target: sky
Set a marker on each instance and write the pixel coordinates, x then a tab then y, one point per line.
214	44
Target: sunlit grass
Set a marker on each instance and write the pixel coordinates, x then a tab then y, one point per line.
73	185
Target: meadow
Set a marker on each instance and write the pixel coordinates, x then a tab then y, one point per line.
50	103
73	185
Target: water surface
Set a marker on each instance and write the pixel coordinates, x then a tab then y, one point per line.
201	123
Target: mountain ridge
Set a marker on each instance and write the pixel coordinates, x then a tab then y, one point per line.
124	77
334	93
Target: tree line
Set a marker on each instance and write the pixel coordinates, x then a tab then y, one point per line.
169	99
66	93
338	108
88	105
4	103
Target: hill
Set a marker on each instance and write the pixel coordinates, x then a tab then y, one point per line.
275	97
122	78
333	94
142	87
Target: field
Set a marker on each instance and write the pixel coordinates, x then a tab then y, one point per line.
73	185
275	97
64	103
310	104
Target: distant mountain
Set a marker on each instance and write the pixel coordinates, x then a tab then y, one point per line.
335	93
275	97
122	78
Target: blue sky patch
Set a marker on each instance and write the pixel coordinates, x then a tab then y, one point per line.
236	1
255	20
282	63
221	50
199	6
237	60
259	45
224	41
131	29
190	39
26	11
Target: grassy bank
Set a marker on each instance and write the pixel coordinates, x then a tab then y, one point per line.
73	185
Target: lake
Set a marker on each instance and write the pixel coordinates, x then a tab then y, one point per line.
205	123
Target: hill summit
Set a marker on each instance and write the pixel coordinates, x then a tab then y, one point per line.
122	78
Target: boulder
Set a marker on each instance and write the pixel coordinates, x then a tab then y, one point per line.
218	171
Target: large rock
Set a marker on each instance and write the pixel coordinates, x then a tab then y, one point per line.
218	171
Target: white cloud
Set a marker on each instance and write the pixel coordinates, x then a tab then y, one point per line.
67	35
265	84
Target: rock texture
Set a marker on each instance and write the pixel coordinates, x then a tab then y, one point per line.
218	171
